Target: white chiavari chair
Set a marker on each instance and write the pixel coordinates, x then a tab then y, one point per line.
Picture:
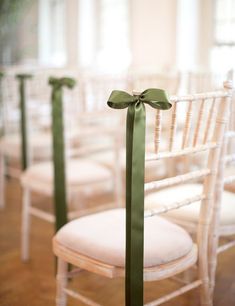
96	243
10	142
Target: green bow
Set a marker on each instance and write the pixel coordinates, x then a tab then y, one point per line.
23	76
58	148
135	164
60	82
23	122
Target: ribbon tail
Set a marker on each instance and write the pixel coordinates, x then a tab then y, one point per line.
58	158
135	159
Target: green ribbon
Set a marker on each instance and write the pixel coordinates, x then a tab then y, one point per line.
58	148
135	164
1	105
23	120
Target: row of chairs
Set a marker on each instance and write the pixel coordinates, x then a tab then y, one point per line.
201	123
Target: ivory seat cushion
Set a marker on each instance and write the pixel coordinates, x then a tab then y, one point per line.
153	169
190	212
40	143
79	172
101	236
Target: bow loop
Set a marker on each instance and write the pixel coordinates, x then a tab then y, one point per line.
120	99
60	82
157	98
1	74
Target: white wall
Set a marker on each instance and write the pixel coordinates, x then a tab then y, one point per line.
187	36
153	34
205	33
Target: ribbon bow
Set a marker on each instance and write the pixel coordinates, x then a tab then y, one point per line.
1	74
23	76
157	98
60	82
135	164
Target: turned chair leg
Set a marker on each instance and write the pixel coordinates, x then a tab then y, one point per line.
61	280
205	292
25	227
118	175
2	181
205	295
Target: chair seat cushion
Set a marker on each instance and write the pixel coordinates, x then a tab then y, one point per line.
153	169
78	172
190	212
101	236
39	142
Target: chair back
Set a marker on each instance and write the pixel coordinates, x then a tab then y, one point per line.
205	119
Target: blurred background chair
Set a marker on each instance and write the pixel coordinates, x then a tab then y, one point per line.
84	177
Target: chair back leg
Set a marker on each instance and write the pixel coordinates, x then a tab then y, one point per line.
2	181
61	279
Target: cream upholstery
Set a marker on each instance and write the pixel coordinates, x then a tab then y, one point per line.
79	172
153	169
190	212
40	143
107	158
101	236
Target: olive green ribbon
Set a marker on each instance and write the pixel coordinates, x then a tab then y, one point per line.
23	119
1	105
60	199
135	164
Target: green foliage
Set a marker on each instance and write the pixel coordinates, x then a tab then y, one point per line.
10	12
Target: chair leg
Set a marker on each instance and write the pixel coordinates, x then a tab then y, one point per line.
118	191
2	181
25	227
205	292
61	279
205	295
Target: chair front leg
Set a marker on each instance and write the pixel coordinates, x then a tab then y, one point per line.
61	279
25	226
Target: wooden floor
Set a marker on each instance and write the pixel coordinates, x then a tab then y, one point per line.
33	284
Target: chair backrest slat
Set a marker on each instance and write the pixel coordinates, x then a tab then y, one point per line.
193	175
173	126
212	113
174	205
199	123
187	125
157	130
183	152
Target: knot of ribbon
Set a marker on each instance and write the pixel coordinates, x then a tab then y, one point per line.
135	169
23	76
60	82
157	98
